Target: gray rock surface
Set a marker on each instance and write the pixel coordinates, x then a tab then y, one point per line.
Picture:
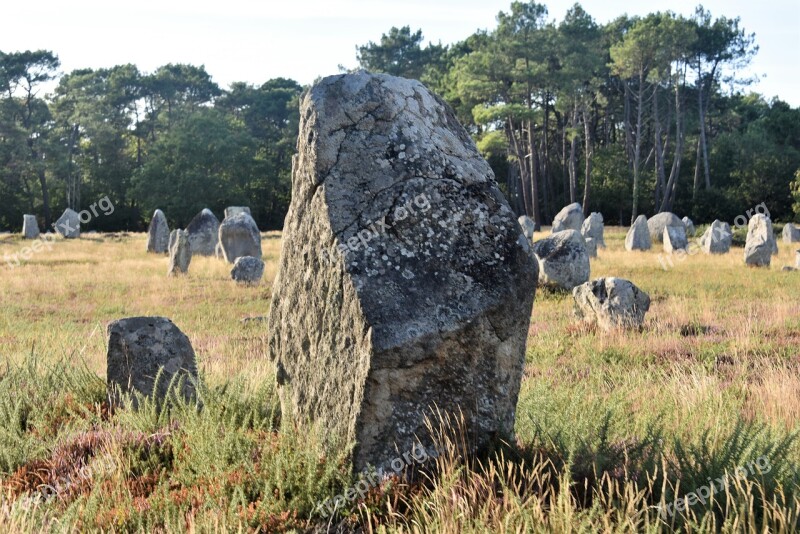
218	251
591	247
690	229
569	218
791	233
527	225
659	221
180	253
758	249
428	300
611	303
30	228
158	234
675	239
230	211
593	227
139	348
563	260
239	236
638	237
717	239
173	238
247	270
69	224
203	233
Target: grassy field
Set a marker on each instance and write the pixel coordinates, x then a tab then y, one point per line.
612	428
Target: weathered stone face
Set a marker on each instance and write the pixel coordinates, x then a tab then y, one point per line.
239	236
404	280
638	237
569	218
593	228
527	225
611	303
690	230
141	347
203	233
717	239
69	224
230	211
180	253
563	260
659	221
247	270
791	233
30	228
591	247
758	249
675	239
158	234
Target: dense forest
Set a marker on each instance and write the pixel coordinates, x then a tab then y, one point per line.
640	115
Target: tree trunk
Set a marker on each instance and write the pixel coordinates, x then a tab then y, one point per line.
537	216
588	150
660	174
672	184
637	149
573	158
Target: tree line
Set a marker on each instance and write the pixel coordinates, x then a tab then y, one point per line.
640	115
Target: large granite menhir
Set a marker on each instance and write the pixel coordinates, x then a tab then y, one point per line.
158	234
404	280
203	233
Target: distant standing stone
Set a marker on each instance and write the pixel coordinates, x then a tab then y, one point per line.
611	303
203	233
239	236
248	270
569	218
139	348
591	247
69	224
638	237
230	211
158	234
791	233
593	227
659	221
717	239
563	260
528	226
180	254
690	230
675	239
760	240
30	228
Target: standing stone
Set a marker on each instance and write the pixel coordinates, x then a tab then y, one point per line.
143	348
591	247
30	228
690	230
528	226
611	303
180	253
791	233
230	211
173	238
638	237
69	224
717	239
569	218
158	234
593	227
203	233
218	251
760	240
239	236
675	239
428	301
563	260
659	221
247	270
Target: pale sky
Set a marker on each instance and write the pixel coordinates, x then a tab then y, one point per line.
247	40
